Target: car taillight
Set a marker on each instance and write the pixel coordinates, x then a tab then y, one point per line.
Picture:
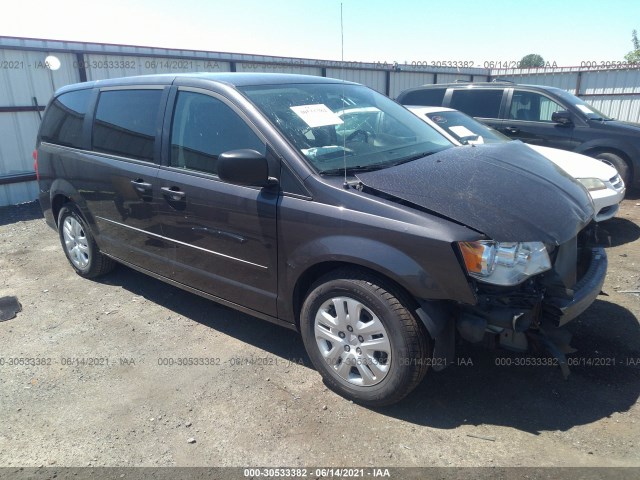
35	163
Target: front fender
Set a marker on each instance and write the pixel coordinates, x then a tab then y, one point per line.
440	277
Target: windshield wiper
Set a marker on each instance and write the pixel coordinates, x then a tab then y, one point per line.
376	166
412	158
359	168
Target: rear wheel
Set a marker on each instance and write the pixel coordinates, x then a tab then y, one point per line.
618	163
363	338
79	246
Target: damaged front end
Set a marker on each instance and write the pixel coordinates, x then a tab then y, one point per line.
535	264
533	313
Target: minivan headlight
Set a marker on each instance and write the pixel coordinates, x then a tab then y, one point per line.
592	184
504	263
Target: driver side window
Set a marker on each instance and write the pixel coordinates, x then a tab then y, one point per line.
530	106
203	128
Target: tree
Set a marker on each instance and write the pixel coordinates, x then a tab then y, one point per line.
531	61
634	55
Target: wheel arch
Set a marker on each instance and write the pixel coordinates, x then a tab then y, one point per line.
62	191
319	270
57	202
594	150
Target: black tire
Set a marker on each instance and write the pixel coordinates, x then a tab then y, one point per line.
619	164
79	246
392	375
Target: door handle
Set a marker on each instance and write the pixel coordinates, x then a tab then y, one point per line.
174	193
511	129
140	185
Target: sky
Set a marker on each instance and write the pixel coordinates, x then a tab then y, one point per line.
567	32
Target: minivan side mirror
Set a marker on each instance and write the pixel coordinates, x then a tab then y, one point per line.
244	167
562	117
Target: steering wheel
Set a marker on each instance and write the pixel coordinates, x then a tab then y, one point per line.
356	133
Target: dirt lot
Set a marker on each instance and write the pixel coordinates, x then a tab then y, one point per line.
260	403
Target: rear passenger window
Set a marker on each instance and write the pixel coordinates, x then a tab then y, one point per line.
203	128
429	97
125	123
477	103
63	122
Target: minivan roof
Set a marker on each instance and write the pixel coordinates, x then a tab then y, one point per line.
230	78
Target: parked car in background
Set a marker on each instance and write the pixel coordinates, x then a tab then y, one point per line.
302	200
601	180
541	115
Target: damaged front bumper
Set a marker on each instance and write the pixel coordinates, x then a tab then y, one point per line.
531	314
563	310
536	310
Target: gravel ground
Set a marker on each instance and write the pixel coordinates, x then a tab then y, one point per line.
97	387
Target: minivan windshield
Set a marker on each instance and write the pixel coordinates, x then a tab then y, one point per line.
588	111
336	125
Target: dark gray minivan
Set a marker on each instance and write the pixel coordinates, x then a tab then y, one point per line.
322	206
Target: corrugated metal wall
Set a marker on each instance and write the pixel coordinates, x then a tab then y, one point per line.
100	67
26	76
564	80
610	82
615	93
16	147
278	68
402	80
371	78
25	81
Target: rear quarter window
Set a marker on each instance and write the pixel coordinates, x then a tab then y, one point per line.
428	96
477	103
62	124
125	123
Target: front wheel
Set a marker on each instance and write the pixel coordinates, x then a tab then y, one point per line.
363	338
618	163
79	246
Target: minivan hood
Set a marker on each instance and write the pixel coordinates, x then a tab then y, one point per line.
507	191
